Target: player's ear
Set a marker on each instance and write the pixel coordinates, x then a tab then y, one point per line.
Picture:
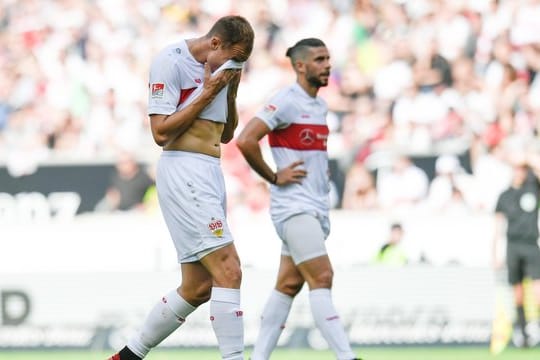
215	42
300	66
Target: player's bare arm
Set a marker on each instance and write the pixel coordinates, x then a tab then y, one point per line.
166	129
232	113
248	143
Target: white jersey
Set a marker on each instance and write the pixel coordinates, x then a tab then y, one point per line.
299	132
218	109
174	75
176	79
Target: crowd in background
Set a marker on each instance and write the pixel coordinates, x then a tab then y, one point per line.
455	80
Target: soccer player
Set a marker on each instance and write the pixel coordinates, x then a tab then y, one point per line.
295	122
190	182
517	212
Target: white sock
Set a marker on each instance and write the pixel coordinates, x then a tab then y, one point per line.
328	322
228	323
165	317
273	319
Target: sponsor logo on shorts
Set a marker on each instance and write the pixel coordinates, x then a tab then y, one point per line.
216	227
157	90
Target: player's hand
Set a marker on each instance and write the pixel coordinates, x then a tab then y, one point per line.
233	85
291	174
214	84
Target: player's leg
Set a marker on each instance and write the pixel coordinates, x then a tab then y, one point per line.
532	270
305	238
319	275
514	263
170	312
277	308
520	323
225	312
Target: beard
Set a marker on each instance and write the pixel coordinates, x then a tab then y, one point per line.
315	81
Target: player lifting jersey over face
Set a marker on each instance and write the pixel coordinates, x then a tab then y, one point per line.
192	110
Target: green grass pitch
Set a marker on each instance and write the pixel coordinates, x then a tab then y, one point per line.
409	353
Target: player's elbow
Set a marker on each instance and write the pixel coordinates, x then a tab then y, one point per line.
243	142
160	133
160	139
226	138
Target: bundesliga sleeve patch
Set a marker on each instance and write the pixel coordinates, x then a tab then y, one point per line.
270	108
157	90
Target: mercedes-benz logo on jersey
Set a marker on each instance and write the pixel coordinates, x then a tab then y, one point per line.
307	137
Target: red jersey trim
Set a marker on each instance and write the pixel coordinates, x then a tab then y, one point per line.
184	94
300	137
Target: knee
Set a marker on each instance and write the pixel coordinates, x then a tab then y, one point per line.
235	277
203	295
290	287
518	298
199	294
231	278
323	279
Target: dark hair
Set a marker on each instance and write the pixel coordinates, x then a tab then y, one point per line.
232	30
396	226
299	49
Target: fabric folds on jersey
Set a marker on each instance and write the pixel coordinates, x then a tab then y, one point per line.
217	110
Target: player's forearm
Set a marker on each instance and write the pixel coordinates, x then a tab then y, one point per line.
253	155
232	122
166	128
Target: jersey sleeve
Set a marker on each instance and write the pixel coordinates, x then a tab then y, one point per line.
164	86
273	114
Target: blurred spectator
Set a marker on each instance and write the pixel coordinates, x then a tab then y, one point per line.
391	253
418	76
451	188
128	186
402	185
492	175
359	192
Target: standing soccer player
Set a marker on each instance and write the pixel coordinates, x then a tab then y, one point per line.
295	122
190	182
517	212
